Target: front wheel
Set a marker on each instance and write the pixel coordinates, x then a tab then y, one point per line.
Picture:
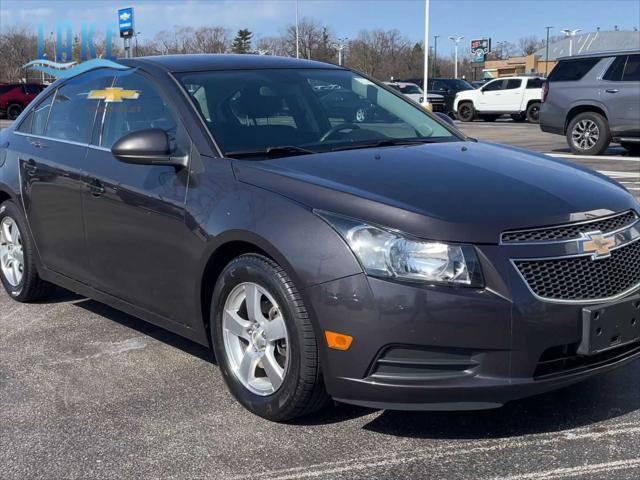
588	134
264	340
466	112
17	264
13	111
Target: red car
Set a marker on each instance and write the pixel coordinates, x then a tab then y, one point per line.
14	97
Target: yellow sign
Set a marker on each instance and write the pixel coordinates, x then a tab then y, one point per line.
113	94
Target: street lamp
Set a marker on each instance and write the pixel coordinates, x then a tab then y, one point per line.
297	33
456	41
571	33
340	46
435	54
546	58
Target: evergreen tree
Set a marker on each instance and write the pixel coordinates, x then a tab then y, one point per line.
242	42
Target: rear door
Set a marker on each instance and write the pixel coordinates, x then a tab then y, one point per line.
52	153
512	95
621	94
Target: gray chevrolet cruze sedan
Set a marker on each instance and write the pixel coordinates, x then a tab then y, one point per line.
391	263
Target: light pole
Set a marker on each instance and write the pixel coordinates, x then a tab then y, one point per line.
435	55
456	41
340	46
425	73
546	57
571	33
297	33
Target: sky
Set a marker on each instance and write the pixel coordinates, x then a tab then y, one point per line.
501	20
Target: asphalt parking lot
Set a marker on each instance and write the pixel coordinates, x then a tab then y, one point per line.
89	392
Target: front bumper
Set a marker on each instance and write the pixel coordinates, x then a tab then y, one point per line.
419	347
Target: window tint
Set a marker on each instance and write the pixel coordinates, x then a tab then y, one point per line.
40	115
535	83
513	83
32	89
493	86
439	85
145	109
632	69
571	70
614	72
73	111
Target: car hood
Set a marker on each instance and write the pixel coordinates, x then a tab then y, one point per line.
459	191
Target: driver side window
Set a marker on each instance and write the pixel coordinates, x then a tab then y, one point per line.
493	86
134	103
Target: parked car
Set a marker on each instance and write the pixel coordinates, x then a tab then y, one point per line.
447	87
519	97
349	106
479	83
394	265
415	93
594	99
14	97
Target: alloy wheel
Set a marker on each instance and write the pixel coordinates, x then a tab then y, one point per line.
360	115
255	338
585	134
11	253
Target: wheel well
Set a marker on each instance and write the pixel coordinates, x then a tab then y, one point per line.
4	196
216	263
581	109
532	101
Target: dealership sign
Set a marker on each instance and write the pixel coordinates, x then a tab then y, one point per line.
480	49
125	22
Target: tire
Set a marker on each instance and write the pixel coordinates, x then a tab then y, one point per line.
596	142
632	148
360	115
13	111
466	112
19	277
301	390
518	117
489	118
533	112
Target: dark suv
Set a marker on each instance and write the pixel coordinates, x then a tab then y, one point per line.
594	99
14	97
447	87
394	264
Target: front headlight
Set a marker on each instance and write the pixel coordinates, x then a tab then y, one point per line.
385	253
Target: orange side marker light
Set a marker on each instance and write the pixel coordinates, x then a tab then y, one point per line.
338	341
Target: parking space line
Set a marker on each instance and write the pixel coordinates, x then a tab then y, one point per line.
569	156
577	471
442	454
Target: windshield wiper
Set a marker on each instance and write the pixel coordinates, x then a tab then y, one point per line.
387	142
271	152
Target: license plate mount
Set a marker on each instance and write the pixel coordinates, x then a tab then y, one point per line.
610	325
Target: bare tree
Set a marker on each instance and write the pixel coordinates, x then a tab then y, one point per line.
211	40
379	53
273	46
310	37
17	46
530	44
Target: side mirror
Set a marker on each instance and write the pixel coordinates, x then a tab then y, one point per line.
445	118
147	147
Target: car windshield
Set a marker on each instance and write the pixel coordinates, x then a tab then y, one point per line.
410	89
460	85
281	112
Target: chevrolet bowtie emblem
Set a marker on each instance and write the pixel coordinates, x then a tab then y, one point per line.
597	244
113	94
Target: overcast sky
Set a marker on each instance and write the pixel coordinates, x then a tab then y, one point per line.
498	19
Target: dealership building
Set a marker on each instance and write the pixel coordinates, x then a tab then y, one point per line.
535	63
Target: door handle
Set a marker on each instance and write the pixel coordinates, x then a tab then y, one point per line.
96	187
30	167
612	90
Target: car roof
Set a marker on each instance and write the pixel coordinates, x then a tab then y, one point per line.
197	62
609	53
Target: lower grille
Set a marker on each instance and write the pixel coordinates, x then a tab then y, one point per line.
581	278
563	360
413	364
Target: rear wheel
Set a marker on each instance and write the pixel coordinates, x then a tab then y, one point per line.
632	148
466	112
17	264
264	341
13	111
588	134
533	112
518	117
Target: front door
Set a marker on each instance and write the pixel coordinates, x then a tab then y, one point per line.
490	96
134	214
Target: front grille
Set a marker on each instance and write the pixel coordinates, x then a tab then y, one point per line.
563	359
572	231
581	278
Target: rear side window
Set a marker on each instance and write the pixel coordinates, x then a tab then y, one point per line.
534	83
73	109
40	115
614	72
513	84
572	70
632	69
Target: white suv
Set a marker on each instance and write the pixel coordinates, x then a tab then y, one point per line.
519	97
